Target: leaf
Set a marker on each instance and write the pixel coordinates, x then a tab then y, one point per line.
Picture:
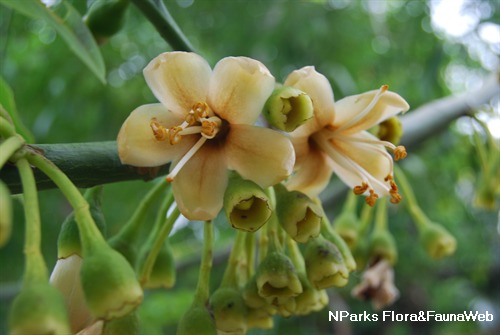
66	20
8	103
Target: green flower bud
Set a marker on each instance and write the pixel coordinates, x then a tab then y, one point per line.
437	241
163	272
109	283
383	246
229	311
299	216
287	307
106	17
390	130
38	309
128	250
260	319
196	321
277	279
126	325
346	225
66	278
288	108
246	205
325	265
253	299
5	214
310	299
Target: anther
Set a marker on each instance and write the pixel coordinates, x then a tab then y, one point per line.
159	132
360	189
372	198
400	152
201	110
173	135
210	127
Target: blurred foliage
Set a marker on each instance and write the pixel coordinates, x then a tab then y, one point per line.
358	46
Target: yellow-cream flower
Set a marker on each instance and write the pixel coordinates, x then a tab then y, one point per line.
336	140
204	126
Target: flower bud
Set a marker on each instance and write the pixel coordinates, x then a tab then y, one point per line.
229	311
277	279
66	278
253	299
390	130
310	299
163	272
38	309
246	205
288	108
124	247
383	246
299	216
109	283
106	18
437	241
325	265
196	321
5	214
346	225
260	319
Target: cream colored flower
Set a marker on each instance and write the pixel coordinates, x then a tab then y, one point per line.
204	126
336	140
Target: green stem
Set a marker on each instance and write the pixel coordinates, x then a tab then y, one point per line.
365	219
36	270
162	234
129	232
381	216
350	203
159	16
250	253
296	255
230	275
203	287
89	233
6	129
9	147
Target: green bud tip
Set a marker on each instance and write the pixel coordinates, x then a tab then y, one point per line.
437	241
196	321
229	311
383	246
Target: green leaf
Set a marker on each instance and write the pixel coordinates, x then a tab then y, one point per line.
8	103
69	24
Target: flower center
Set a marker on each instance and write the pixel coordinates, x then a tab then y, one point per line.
199	120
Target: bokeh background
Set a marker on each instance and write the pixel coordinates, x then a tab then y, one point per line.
424	50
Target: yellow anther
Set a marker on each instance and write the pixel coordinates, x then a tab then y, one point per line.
400	152
395	197
372	198
360	189
173	135
201	110
159	132
191	118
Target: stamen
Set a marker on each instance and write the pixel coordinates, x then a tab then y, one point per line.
210	127
159	132
173	134
365	111
372	198
400	152
394	192
186	158
201	110
360	189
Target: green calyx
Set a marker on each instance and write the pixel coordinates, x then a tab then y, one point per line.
163	271
246	205
383	246
288	108
126	325
390	130
437	241
38	309
196	321
299	216
109	283
106	18
229	310
325	265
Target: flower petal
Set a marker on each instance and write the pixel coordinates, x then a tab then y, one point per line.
239	88
312	171
368	159
178	80
355	114
137	145
308	80
200	185
262	155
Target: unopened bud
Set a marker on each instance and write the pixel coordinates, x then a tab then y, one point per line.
297	214
346	225
109	283
390	130
126	325
106	17
325	265
163	271
229	311
257	318
288	108
437	241
310	299
253	299
383	246
38	309
246	205
277	279
196	321
5	214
